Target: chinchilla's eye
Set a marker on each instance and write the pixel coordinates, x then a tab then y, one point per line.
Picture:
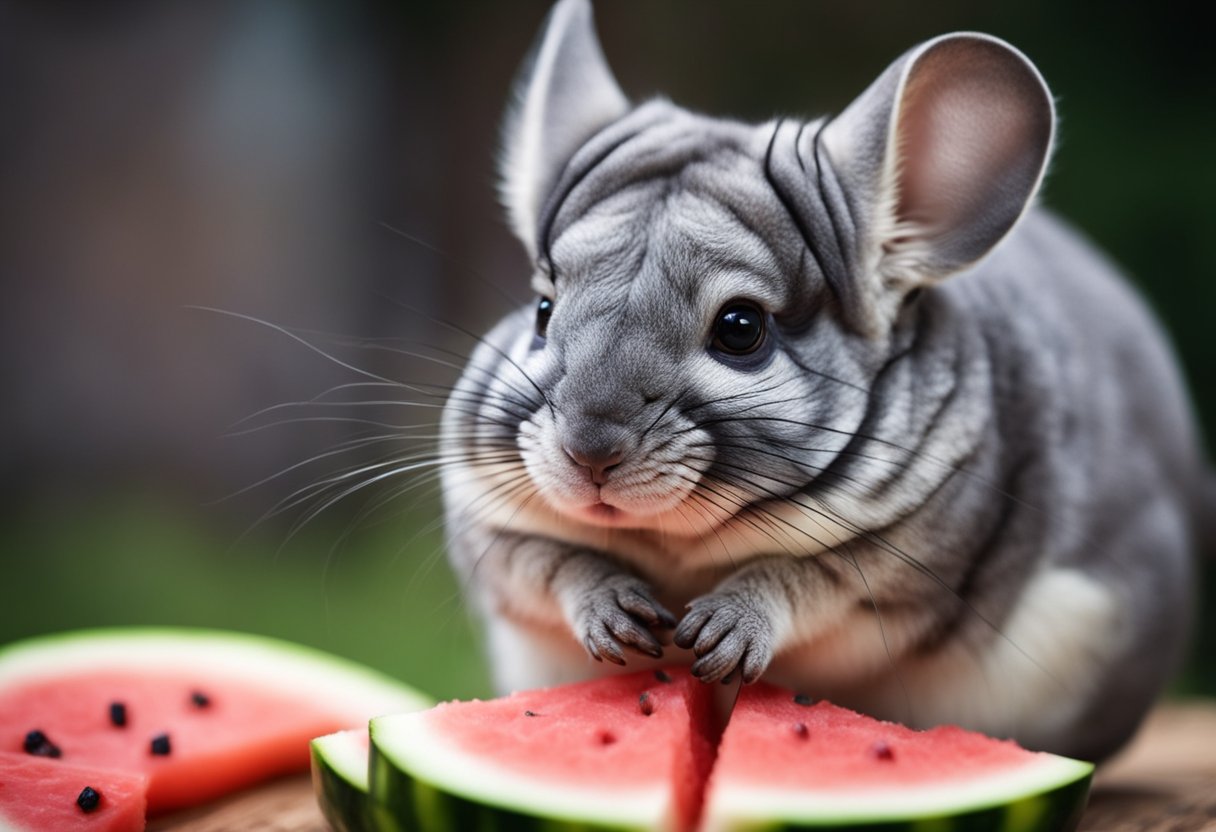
739	329
544	309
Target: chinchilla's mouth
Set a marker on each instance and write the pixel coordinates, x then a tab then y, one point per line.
603	512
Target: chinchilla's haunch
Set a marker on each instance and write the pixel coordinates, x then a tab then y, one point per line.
835	392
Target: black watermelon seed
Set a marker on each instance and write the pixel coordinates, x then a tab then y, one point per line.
645	704
89	799
801	730
531	713
803	699
200	699
160	745
662	676
882	751
118	714
38	744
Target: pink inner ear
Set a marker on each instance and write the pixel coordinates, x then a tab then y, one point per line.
972	125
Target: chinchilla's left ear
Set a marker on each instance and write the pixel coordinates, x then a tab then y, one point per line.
564	93
941	156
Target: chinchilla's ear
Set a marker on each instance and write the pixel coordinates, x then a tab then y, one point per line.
942	155
564	93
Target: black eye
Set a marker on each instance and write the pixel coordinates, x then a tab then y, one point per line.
544	310
739	329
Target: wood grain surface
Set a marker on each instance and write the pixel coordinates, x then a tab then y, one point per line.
1164	782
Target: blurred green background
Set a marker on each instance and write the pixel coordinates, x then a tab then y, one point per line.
249	156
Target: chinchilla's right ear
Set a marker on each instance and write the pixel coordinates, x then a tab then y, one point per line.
564	93
940	157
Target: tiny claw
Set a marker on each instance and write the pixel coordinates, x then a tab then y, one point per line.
648	644
640	604
666	620
752	669
654	651
702	670
686	634
613	653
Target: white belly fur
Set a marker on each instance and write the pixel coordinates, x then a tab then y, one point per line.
1029	681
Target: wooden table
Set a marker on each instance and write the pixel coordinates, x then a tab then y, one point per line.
1164	782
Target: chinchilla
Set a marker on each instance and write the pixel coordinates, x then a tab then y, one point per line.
882	430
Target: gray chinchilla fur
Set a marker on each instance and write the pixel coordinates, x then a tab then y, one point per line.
837	393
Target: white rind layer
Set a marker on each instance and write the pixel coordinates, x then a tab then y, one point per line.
348	690
345	753
729	807
410	744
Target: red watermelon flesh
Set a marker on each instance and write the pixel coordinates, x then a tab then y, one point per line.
643	738
233	709
837	748
783	756
586	756
120	807
243	735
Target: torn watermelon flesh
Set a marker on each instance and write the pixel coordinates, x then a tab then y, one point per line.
576	752
786	762
37	793
841	748
585	757
244	735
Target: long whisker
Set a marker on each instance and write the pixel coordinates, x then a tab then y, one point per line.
498	350
284	331
512	301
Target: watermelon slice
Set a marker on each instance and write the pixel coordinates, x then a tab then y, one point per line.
587	756
785	763
198	713
116	804
339	777
625	752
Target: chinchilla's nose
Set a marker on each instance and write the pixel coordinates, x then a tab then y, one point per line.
599	451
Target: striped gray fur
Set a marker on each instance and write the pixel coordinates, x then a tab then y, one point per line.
954	484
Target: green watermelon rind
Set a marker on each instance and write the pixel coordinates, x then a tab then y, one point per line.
1048	794
421	781
349	690
339	779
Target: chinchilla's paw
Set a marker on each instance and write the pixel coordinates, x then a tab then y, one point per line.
621	612
728	634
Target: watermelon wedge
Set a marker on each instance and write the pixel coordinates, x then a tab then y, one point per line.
339	778
785	763
589	757
196	713
624	752
62	804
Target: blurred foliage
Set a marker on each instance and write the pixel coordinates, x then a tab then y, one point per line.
375	594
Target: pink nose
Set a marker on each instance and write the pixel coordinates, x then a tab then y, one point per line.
598	461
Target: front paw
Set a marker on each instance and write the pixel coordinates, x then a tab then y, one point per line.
621	612
728	634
